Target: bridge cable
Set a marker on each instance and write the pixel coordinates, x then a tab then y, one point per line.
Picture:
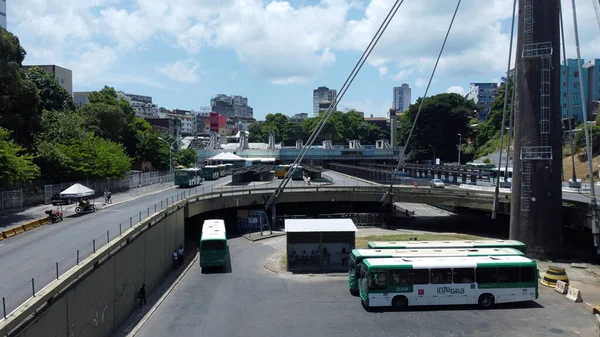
565	72
511	122
597	10
502	127
588	144
333	104
421	104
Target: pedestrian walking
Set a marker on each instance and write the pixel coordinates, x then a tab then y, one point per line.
142	295
180	255
108	195
175	258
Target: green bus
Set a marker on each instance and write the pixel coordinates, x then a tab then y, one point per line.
358	255
222	170
297	173
211	172
448	244
214	251
188	177
228	169
482	280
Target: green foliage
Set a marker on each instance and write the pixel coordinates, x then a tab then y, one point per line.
442	118
52	95
488	135
595	139
105	120
94	157
19	99
187	157
340	128
15	166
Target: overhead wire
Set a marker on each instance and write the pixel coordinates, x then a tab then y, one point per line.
421	104
333	104
502	127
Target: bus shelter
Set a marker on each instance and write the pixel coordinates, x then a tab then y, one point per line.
319	244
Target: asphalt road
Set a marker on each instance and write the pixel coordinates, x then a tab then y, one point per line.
34	254
250	301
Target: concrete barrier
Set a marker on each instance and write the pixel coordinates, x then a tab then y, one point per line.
16	230
574	294
561	287
8	233
97	295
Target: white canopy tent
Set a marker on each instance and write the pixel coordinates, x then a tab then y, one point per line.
76	191
226	156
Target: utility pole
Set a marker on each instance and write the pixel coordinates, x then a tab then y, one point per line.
459	145
535	215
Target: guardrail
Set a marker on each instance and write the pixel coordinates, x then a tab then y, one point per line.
34	293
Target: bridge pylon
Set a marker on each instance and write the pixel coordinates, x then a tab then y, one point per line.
535	216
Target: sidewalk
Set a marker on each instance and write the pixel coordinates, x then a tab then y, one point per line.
37	212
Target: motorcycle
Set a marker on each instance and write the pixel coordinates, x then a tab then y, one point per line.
55	216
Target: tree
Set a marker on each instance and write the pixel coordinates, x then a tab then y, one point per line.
15	166
255	133
94	158
19	99
57	127
52	95
105	120
187	157
442	118
488	135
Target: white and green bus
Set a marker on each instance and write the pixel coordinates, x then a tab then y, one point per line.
214	251
482	280
358	255
448	244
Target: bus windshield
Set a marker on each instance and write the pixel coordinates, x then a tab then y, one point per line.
213	245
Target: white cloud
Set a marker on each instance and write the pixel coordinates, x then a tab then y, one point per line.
456	89
383	71
184	71
283	41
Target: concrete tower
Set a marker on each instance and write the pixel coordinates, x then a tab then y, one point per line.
535	216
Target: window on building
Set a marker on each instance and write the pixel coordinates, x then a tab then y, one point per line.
565	105
576	95
564	94
575	106
575	74
576	85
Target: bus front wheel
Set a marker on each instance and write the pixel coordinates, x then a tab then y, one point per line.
486	301
400	303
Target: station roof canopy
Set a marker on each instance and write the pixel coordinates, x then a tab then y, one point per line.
226	156
319	225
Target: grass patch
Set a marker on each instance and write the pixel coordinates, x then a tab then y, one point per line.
361	242
283	262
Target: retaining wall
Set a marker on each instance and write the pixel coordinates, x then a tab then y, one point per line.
100	299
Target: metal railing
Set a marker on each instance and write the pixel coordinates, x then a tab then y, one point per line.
127	227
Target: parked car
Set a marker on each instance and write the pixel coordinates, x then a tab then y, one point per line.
56	200
436	183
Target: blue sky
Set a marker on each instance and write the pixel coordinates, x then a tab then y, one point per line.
275	53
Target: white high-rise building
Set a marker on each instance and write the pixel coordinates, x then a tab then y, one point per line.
3	14
402	97
322	95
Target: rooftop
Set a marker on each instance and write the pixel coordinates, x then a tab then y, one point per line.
319	225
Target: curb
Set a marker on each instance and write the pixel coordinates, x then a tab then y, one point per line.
356	178
147	316
18	229
274	235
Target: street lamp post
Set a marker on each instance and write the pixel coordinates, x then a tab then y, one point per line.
433	148
459	145
170	153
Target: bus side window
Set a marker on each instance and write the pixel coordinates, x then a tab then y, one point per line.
527	274
377	280
487	275
441	276
464	275
508	274
418	276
